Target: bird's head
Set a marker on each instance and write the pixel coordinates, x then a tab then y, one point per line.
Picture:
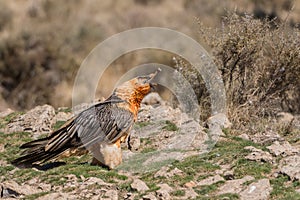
134	90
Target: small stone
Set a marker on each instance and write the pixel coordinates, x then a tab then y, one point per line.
234	186
229	175
164	172
6	112
38	120
258	155
149	197
13	189
163	192
265	137
211	180
190	193
284	117
284	149
152	99
190	184
95	180
134	142
111	195
139	185
216	123
259	190
63	116
244	136
291	167
2	148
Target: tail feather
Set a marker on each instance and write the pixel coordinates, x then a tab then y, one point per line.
35	153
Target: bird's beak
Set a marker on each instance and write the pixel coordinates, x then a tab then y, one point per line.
152	76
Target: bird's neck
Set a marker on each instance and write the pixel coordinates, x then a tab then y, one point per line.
133	101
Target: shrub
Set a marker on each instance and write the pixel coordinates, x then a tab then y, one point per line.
260	66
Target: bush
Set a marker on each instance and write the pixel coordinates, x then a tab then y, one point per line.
31	66
260	66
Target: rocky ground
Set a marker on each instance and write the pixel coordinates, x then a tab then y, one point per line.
171	157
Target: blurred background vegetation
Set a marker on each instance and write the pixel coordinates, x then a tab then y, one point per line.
254	43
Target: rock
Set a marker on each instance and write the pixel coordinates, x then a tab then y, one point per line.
2	148
35	182
111	195
211	180
58	196
6	112
153	99
284	149
220	120
134	142
216	123
95	180
190	194
129	196
149	197
258	155
164	172
163	192
190	184
139	185
234	186
63	116
259	190
284	117
38	120
229	175
13	189
264	138
291	167
244	136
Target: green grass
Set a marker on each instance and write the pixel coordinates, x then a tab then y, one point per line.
4	121
170	126
35	196
11	144
178	193
207	189
284	189
65	110
258	170
148	150
142	124
58	124
228	196
195	164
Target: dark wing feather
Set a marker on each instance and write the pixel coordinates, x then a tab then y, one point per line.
102	122
110	124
